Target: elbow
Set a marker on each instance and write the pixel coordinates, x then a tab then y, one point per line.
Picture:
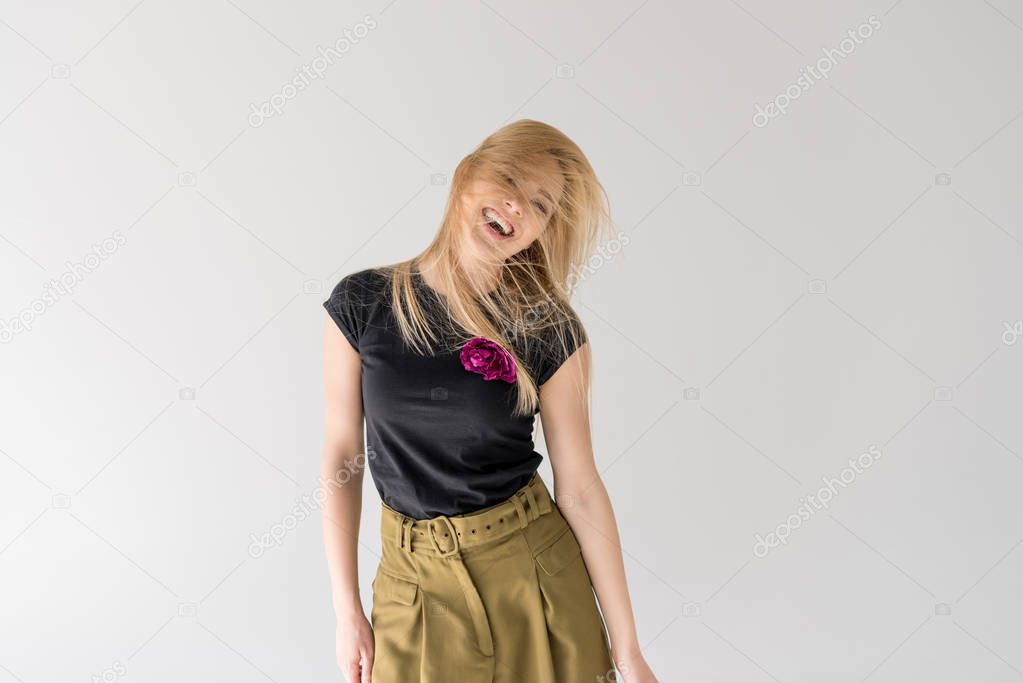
580	493
343	452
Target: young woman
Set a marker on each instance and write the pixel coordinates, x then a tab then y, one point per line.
448	358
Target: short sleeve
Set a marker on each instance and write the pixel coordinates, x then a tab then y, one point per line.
549	355
348	306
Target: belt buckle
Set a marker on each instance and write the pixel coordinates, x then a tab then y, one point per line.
431	532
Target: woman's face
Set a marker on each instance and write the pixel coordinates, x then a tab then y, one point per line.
498	225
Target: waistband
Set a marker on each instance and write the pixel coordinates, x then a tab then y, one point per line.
448	535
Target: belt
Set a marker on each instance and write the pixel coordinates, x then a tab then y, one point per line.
446	537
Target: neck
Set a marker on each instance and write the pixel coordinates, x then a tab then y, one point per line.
486	274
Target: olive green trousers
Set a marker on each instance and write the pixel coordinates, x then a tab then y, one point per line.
501	595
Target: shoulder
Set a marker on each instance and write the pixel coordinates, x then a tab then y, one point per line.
359	294
366	278
572	322
361	286
557	333
563	323
356	301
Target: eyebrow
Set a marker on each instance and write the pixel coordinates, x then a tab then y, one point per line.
546	194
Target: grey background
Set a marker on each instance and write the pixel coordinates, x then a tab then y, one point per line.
790	295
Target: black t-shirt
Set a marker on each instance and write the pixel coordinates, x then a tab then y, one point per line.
441	440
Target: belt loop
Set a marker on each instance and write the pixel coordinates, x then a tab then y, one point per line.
534	509
406	533
545	503
521	510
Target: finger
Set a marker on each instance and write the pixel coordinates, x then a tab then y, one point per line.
367	664
352	672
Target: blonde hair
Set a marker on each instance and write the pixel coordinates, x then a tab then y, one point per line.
530	305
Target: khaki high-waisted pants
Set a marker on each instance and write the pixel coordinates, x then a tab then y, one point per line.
501	595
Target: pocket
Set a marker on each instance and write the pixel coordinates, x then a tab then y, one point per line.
387	586
559	553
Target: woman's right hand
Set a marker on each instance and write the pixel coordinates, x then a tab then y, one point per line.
355	648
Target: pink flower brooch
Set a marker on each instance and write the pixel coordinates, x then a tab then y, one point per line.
487	358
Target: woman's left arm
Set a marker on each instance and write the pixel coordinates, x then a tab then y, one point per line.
582	498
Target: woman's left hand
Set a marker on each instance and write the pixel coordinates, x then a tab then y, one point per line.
633	668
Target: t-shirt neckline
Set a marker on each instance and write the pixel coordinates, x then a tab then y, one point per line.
417	278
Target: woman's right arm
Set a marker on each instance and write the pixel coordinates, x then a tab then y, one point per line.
341	476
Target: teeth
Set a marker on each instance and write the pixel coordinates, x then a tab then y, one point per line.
495	219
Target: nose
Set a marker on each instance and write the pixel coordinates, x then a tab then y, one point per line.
512	206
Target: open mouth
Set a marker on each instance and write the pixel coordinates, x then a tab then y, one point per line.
497	223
